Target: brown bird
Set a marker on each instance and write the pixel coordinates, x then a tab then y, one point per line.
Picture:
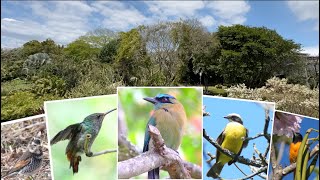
30	161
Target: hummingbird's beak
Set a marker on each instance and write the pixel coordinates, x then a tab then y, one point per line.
150	99
110	111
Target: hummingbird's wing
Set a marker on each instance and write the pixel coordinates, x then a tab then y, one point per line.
67	133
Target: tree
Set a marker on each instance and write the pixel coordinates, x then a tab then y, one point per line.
132	62
31	47
251	55
50	47
79	50
34	62
198	49
109	51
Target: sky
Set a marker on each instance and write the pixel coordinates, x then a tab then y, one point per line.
305	125
65	21
253	116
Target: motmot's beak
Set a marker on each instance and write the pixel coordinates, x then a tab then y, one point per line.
110	111
150	99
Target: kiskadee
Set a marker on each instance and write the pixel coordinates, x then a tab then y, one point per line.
233	138
294	147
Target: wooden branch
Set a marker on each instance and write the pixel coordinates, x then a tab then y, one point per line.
127	147
261	170
255	137
239	159
266	125
212	157
159	156
264	161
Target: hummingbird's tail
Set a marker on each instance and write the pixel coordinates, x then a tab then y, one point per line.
74	161
215	170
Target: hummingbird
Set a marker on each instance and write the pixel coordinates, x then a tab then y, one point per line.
30	161
81	137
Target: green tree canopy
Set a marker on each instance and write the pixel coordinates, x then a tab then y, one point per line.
251	55
109	51
79	50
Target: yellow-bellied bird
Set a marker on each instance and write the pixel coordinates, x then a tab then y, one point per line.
233	138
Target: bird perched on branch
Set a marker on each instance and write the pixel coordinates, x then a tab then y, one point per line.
30	161
81	137
233	138
294	147
169	117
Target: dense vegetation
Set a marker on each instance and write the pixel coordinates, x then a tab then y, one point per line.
162	54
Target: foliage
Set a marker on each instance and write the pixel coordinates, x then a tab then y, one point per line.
251	55
34	62
48	46
197	49
50	85
79	50
31	47
22	104
293	98
16	85
109	51
132	62
161	54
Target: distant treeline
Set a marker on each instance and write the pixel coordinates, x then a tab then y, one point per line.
162	54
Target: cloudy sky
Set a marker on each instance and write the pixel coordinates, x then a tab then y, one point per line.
65	21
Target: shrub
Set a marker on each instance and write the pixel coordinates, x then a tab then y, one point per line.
22	104
293	98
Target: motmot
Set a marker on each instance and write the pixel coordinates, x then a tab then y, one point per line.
169	118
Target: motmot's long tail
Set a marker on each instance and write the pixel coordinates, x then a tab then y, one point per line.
153	174
215	170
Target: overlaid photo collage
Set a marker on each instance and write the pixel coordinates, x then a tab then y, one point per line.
112	90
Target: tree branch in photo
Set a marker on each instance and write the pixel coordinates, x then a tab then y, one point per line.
160	156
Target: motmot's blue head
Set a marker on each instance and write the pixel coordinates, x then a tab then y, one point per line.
162	100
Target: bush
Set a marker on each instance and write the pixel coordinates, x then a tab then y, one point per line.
293	98
16	85
22	104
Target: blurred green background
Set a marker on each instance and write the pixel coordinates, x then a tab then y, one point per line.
137	112
61	114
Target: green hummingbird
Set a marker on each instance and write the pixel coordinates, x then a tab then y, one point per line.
81	137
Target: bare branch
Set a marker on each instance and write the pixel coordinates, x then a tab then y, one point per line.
212	157
159	156
264	161
266	125
263	169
